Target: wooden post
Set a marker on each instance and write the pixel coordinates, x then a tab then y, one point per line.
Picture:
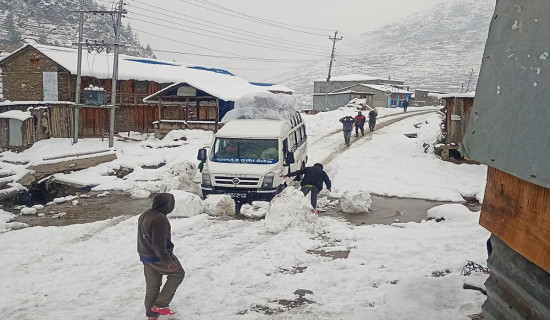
160	111
186	109
197	115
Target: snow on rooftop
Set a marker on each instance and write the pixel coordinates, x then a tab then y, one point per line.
16	114
382	87
217	82
351	77
471	94
39	103
257	128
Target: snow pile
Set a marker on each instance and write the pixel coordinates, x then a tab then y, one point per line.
187	204
6	225
63	199
28	211
263	105
289	208
355	203
139	194
219	205
256	210
452	212
185	169
359	104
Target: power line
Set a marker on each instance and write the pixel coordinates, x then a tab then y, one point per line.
257	20
224	27
231	38
225	52
231	57
227	39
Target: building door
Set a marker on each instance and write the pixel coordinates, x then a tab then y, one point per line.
49	85
16	133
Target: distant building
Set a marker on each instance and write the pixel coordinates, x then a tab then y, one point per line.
424	97
380	92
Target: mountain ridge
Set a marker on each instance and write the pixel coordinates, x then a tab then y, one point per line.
436	49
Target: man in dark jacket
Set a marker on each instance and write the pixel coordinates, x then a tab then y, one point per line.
155	250
312	181
360	124
405	105
347	123
372	120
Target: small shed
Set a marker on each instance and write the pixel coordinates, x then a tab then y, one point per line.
509	133
17	129
457	110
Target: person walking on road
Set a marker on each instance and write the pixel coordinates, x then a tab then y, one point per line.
347	126
372	119
405	105
360	124
155	250
313	180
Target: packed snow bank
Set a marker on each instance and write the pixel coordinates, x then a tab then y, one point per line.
263	105
452	212
391	164
187	204
288	209
139	194
355	203
433	298
6	224
256	210
219	205
28	211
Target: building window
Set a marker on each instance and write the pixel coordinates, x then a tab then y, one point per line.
36	62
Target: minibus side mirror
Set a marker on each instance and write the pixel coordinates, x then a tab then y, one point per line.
202	154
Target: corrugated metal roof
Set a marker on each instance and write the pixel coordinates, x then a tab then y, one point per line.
516	289
509	126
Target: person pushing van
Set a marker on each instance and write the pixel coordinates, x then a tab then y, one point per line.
313	180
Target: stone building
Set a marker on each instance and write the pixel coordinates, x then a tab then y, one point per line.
48	74
329	95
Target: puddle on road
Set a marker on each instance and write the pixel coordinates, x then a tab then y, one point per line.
386	210
88	210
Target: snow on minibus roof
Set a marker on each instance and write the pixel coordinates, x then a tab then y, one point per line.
253	128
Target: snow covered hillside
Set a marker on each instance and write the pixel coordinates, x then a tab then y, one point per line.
436	49
53	22
291	265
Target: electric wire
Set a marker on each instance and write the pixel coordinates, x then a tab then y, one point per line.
253	20
255	43
193	18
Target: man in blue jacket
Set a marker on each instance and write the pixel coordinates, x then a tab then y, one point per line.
347	123
313	180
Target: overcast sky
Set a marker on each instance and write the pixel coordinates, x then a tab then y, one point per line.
292	33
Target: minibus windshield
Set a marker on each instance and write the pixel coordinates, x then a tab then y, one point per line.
253	151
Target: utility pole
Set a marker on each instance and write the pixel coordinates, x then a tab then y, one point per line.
119	12
78	73
330	65
468	86
99	47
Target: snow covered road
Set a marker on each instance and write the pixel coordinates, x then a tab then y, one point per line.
241	269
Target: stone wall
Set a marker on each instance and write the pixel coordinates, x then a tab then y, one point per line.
22	76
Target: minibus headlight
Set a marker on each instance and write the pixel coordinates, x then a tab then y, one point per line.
206	180
268	181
